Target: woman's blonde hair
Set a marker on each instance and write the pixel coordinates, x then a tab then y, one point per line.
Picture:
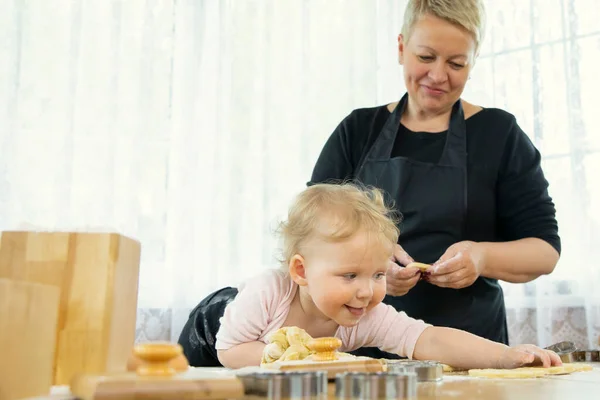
335	212
468	14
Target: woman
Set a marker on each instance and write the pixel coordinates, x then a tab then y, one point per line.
466	180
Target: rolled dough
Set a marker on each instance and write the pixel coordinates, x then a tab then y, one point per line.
517	373
530	372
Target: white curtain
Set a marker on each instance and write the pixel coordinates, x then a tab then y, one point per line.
190	125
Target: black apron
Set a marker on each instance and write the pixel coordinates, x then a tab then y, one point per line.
199	335
432	201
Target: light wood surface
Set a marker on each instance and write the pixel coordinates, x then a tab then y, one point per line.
580	386
97	274
28	316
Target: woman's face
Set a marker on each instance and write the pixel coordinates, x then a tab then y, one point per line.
437	58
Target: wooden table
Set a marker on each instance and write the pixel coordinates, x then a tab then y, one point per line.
580	385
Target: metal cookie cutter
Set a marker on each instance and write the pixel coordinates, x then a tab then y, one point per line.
565	350
286	385
426	371
586	356
375	385
568	352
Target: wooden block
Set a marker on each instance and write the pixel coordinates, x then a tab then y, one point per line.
28	318
155	377
97	274
193	384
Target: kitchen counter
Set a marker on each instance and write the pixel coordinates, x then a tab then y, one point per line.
580	385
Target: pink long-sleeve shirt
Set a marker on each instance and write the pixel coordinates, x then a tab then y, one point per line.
263	303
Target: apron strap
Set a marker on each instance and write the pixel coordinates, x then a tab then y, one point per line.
455	148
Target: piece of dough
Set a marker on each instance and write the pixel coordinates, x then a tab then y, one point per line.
578	367
518	373
565	369
286	344
421	266
529	372
279	337
292	343
448	368
297	335
557	370
272	352
295	352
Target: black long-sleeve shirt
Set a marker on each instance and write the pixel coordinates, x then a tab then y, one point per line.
507	193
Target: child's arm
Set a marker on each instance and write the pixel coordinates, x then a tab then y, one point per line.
461	349
242	355
247	317
395	332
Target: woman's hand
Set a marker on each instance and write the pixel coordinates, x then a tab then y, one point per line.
458	267
400	280
525	354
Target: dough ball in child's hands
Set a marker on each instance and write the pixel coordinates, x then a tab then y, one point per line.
288	343
272	352
297	335
279	337
295	352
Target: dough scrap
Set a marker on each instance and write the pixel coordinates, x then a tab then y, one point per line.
449	368
421	266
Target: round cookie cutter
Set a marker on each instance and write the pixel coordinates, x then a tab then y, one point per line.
426	371
586	356
568	352
375	385
293	385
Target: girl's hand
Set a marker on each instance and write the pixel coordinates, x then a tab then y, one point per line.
528	354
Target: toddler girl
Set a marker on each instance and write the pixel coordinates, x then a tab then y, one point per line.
338	243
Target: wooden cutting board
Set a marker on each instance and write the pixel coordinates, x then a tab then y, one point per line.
28	317
156	377
357	364
195	384
97	276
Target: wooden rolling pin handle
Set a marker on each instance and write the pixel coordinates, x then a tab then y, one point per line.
156	357
324	344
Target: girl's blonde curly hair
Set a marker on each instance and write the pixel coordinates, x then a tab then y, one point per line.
335	212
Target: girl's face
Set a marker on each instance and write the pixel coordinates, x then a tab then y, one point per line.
344	279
